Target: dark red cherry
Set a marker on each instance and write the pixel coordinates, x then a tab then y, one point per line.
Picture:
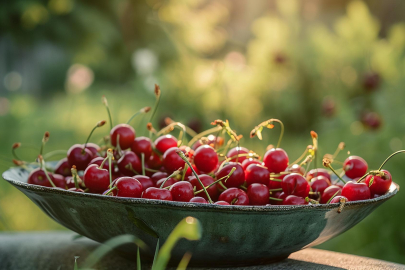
94	148
319	183
128	187
169	182
157	194
276	160
329	192
234	196
318	172
63	167
182	191
236	179
145	181
96	180
59	180
172	161
380	185
258	194
295	184
98	161
275	184
158	175
278	195
355	166
257	174
249	161
356	191
129	158
336	199
237	151
142	145
127	136
222	203
205	159
155	162
198	200
295	168
70	183
79	156
163	143
38	177
294	200
206	180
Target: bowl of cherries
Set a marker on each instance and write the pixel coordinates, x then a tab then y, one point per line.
253	210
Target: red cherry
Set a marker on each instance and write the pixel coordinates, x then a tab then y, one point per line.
276	160
258	194
205	158
356	191
128	187
182	191
163	143
96	180
98	161
127	136
187	151
94	148
154	162
157	194
236	179
380	185
221	203
169	182
237	151
318	172
145	181
142	145
295	168
129	158
70	183
234	196
319	183
59	180
38	177
329	192
294	200
63	167
190	173
275	184
79	156
295	184
206	180
278	195
198	200
172	161
158	175
336	199
355	166
249	161
257	174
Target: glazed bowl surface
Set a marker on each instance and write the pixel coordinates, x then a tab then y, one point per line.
232	235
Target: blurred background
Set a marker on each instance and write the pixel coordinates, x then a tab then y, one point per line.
336	67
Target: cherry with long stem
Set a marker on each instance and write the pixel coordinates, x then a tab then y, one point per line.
143	110
104	99
171	127
327	164
226	177
43	167
99	124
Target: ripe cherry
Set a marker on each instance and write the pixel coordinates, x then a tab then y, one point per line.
145	181
155	162
157	194
276	182
126	136
38	177
236	179
234	152
258	194
189	172
257	174
79	156
198	200
276	160
318	172
319	183
222	203
295	184
234	196
128	187
380	185
158	175
172	161
127	161
205	158
59	180
98	161
356	191
169	182
96	180
163	143
355	166
63	167
94	148
278	195
142	145
206	180
329	192
336	199
294	200
249	161
182	191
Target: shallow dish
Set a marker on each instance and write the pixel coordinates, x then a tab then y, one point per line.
232	235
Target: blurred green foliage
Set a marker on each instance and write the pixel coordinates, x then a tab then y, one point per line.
338	72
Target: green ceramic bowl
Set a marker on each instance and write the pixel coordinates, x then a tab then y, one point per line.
232	235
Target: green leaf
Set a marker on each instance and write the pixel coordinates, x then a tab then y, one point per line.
140	223
156	252
138	261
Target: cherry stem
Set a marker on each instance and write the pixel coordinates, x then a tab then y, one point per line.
170	176
275	180
340	147
143	110
110	156
99	124
54	153
249	155
388	158
151	170
342	201
157	94
300	158
275	189
104	161
43	167
222	185
171	127
184	172
108	111
75	176
333	170
276	199
268	124
129	167
202	134
362	178
183	157
143	163
15	146
188	130
333	196
110	190
217	181
44	140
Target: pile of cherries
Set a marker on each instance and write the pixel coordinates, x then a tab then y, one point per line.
206	170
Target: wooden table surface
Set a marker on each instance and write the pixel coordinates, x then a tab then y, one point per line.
56	251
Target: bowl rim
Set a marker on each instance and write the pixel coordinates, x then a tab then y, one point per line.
7	175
